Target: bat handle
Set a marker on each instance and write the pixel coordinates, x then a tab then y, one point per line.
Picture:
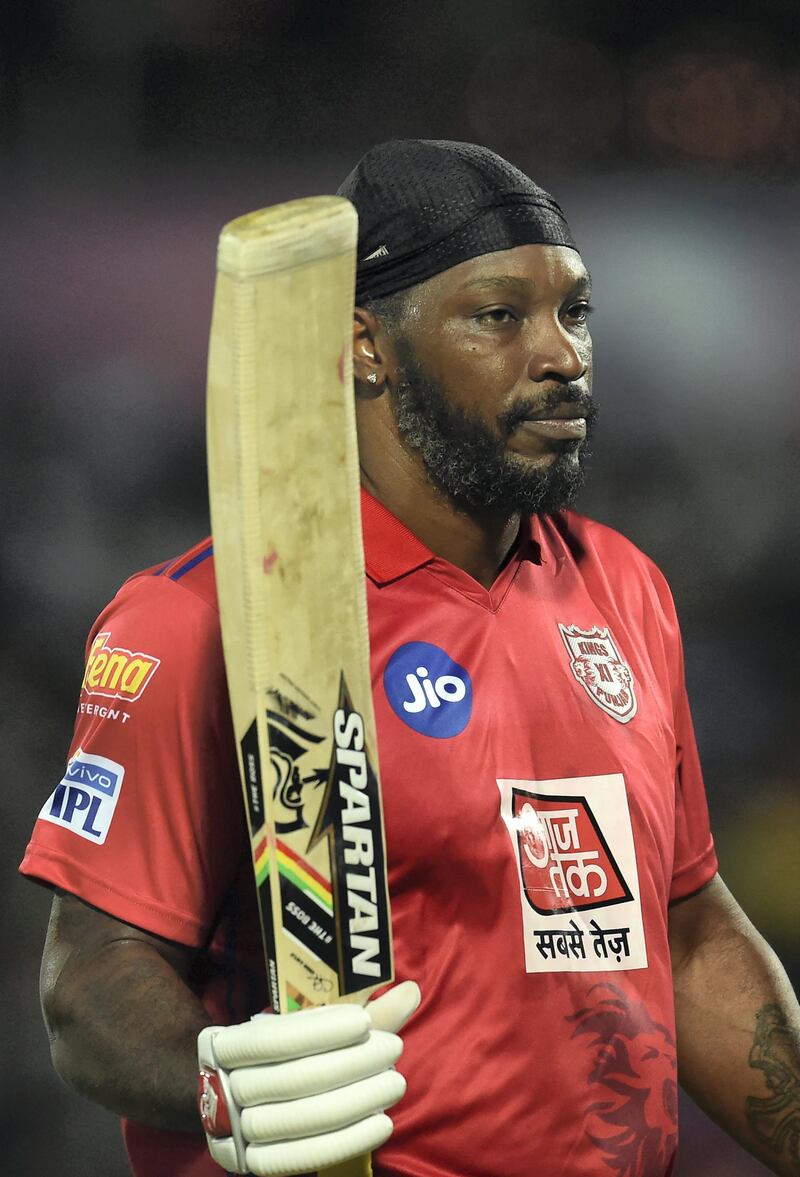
356	1167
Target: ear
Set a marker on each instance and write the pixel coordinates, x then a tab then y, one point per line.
369	353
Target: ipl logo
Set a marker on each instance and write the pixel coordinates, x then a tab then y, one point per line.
428	690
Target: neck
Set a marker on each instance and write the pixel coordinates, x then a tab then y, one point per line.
477	542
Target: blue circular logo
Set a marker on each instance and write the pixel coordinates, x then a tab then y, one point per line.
428	690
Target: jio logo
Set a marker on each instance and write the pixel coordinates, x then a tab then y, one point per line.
428	690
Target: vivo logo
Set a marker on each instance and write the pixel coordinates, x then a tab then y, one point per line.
81	773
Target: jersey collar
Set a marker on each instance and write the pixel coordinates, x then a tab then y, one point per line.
392	551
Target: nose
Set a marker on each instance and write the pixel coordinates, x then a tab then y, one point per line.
557	355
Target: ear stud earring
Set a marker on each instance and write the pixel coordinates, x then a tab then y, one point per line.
372	378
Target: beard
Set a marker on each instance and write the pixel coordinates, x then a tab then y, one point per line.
470	464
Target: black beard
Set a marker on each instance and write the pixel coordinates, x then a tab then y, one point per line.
472	466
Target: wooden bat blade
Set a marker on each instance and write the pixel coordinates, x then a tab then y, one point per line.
285	510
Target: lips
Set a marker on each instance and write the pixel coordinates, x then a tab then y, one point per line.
555	428
562	412
556	425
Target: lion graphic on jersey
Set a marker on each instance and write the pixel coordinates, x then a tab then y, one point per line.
633	1077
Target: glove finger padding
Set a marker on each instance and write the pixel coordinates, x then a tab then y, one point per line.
315	1073
322	1113
269	1039
393	1008
318	1152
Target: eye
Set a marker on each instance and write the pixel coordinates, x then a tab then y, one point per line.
495	316
579	311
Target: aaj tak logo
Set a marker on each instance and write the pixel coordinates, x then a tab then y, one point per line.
565	861
576	867
598	667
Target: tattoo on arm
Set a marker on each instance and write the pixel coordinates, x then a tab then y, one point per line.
775	1120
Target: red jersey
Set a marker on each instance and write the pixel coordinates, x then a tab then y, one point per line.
543	805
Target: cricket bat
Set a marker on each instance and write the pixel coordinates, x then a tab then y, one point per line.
288	554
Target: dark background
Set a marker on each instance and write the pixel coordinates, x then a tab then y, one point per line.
132	130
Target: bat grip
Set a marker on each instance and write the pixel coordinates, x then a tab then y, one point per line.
356	1167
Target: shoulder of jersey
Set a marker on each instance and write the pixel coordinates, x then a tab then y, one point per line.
192	571
610	547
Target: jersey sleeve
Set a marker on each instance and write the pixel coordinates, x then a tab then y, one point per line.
695	860
147	822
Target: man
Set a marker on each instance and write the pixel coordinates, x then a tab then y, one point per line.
553	877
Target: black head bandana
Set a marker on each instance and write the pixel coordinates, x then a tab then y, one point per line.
425	205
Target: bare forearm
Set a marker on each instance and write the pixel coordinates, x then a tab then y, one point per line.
124	1032
739	1037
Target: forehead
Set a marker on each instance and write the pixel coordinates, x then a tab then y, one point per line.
539	268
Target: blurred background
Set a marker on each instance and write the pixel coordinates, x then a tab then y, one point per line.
132	130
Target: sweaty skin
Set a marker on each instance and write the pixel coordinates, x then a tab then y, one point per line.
728	985
123	1023
493	331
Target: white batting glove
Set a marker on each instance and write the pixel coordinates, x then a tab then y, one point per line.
283	1095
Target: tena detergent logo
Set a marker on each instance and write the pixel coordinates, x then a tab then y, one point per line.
117	673
428	690
86	797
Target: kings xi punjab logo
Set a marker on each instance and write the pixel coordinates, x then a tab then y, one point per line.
598	667
565	861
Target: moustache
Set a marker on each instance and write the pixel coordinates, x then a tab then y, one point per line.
570	394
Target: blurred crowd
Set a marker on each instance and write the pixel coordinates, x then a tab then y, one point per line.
132	131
